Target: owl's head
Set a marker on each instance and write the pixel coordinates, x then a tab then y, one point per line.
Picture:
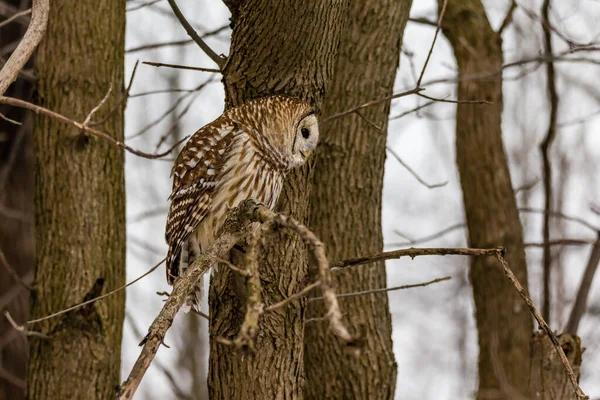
289	125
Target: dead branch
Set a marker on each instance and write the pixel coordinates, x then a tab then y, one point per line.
98	107
293	297
219	60
385	290
507	18
13	273
545	150
22	329
559	214
413	172
437	31
579	306
15	16
176	42
157	64
542	323
41	110
437	99
33	36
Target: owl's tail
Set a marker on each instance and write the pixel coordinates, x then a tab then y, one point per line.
176	266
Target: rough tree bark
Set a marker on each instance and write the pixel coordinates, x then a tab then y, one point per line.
79	204
503	322
346	204
285	47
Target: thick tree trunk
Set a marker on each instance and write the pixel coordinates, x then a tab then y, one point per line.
79	205
503	322
16	222
346	204
285	47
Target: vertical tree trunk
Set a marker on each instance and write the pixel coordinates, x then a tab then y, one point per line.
289	48
16	222
79	205
346	204
503	322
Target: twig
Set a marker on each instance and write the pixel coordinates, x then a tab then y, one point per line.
542	323
405	113
412	253
560	215
234	229
390	289
99	106
14	380
13	273
15	16
41	110
242	272
545	150
12	121
293	297
220	61
454	101
143	5
413	173
507	18
22	328
254	306
34	34
157	64
85	303
437	31
584	289
175	42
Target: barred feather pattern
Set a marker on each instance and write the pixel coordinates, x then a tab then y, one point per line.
240	155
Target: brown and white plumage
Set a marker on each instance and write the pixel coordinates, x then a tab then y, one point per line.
245	153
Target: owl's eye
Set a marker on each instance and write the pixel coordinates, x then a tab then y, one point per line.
305	133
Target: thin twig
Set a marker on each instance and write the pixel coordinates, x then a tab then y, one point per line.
220	61
157	64
559	214
542	323
41	110
293	297
545	150
175	42
85	303
99	106
12	121
15	16
413	172
22	329
34	34
385	290
242	272
12	272
454	101
579	306
437	31
143	5
418	108
507	18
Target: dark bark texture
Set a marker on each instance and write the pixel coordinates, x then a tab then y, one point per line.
79	205
503	322
346	205
288	48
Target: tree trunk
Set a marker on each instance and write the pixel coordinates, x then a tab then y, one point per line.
289	48
16	221
346	204
503	322
79	205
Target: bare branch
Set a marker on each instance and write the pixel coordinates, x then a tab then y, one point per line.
33	36
143	5
175	42
293	297
454	101
584	289
220	61
22	329
384	290
156	64
437	31
413	173
99	106
85	303
41	110
542	323
12	272
15	16
558	214
545	150
507	18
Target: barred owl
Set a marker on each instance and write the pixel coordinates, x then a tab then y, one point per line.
245	153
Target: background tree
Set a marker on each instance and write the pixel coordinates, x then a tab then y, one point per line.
79	204
345	204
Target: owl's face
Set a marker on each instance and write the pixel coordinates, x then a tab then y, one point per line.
306	137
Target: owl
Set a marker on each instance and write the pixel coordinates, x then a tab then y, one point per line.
245	153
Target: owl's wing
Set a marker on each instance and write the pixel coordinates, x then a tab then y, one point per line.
195	174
